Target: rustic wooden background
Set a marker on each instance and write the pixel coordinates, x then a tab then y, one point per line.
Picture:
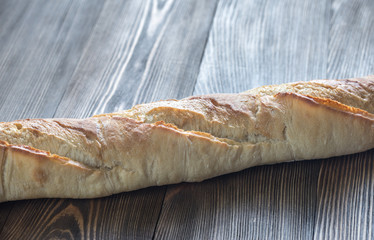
72	58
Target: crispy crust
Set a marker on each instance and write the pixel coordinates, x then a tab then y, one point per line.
354	92
331	104
187	140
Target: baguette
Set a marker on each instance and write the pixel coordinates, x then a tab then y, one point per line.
186	140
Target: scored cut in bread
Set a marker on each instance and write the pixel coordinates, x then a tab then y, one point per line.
186	140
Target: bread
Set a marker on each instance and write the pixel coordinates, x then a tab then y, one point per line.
184	141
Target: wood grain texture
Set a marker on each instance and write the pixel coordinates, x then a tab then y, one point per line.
152	52
85	219
345	198
253	43
137	51
5	209
345	186
78	58
264	202
351	41
41	43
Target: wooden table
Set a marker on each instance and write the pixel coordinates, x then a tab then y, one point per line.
77	58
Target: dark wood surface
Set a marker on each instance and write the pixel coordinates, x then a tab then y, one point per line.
77	58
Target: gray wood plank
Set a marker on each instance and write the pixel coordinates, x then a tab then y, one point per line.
138	51
103	218
266	202
152	52
351	39
345	198
253	43
345	188
41	43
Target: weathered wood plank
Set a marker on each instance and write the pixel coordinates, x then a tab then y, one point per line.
40	45
138	51
345	198
153	56
351	39
85	219
253	43
345	186
266	202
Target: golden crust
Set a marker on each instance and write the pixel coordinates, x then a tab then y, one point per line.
356	92
330	104
187	140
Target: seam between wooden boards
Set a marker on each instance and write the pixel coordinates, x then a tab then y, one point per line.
205	44
80	58
197	76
